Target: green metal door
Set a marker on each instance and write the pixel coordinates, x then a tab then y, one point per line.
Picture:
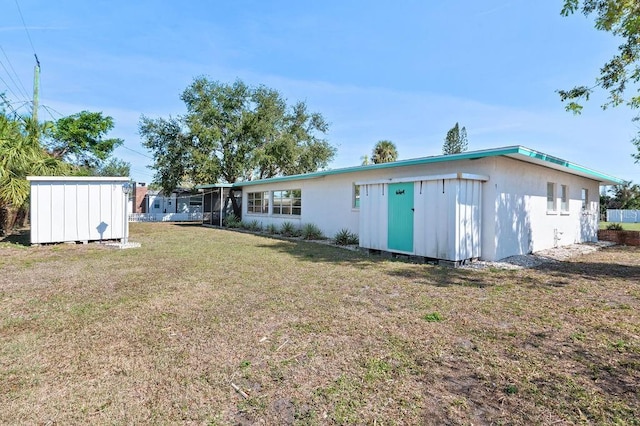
400	225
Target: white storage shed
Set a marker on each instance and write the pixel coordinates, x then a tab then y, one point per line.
77	209
431	216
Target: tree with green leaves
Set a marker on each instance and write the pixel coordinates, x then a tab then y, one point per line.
456	140
384	152
621	74
235	132
626	196
79	139
113	167
21	155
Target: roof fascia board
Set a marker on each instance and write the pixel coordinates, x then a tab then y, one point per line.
466	176
601	177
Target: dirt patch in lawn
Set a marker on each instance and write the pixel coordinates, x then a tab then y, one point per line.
207	326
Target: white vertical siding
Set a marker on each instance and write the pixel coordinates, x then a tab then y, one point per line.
447	214
468	219
431	230
374	211
76	209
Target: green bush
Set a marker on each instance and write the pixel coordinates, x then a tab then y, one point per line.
311	232
614	227
254	225
344	237
232	221
271	229
288	229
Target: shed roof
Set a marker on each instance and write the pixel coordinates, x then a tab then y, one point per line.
516	152
77	179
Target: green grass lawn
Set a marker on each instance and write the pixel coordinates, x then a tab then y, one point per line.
625	226
209	326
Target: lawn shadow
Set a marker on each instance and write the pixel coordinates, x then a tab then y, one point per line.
21	237
589	270
445	276
316	252
184	224
424	274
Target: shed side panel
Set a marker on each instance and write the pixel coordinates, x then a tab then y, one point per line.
468	212
430	235
70	212
373	216
82	212
450	221
36	228
97	229
57	207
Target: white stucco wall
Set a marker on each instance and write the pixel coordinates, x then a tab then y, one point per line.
326	202
521	222
514	203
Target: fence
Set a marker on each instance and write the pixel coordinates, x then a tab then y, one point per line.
623	216
165	217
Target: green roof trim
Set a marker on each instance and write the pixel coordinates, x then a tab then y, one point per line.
602	177
516	151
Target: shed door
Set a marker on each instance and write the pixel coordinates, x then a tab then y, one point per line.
400	225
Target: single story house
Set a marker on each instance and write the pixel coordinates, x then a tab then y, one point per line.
179	201
487	204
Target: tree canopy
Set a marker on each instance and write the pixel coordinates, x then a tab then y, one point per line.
235	132
620	75
624	196
22	155
384	152
79	139
456	140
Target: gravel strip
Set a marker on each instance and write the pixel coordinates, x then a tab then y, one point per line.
532	260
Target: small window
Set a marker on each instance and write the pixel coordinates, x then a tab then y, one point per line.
356	196
195	200
287	202
585	199
564	198
258	202
551	196
156	205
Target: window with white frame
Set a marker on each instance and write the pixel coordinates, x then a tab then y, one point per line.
564	198
551	196
356	196
287	202
258	202
585	199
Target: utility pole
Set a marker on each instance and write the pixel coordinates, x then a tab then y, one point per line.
36	89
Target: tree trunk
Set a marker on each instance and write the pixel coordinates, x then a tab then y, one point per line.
12	218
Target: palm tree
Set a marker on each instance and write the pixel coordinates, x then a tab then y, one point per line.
384	152
21	155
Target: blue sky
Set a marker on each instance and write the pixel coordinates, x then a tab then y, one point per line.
404	71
